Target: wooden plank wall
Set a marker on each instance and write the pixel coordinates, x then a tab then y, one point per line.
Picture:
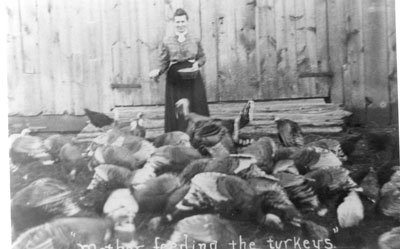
67	55
362	49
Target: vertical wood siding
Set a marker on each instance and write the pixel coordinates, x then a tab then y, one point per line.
64	56
362	48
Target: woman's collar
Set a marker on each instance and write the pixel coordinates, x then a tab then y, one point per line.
181	36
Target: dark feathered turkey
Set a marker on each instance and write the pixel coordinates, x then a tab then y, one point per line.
384	145
165	159
386	170
332	145
214	128
230	196
72	160
67	233
299	190
263	150
25	148
112	176
211	138
370	185
41	201
389	202
153	195
98	119
115	147
313	158
333	178
172	138
305	158
242	165
274	200
289	133
235	198
314	231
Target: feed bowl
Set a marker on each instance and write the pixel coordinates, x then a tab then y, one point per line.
188	73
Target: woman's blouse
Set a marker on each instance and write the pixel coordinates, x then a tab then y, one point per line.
173	51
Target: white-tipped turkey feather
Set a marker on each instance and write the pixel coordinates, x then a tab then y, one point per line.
351	211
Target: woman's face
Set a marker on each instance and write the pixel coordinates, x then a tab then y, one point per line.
180	23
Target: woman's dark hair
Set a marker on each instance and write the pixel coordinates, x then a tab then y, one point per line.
181	12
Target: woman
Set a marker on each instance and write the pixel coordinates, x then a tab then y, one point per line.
180	51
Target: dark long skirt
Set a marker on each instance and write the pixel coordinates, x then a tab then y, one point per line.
178	88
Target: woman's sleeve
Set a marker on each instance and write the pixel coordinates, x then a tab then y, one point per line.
200	57
164	58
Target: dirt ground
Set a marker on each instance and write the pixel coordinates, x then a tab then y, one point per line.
364	236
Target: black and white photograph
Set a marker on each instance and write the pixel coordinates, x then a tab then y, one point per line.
201	124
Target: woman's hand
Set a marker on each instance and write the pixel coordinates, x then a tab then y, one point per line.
154	74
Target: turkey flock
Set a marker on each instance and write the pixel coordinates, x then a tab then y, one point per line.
206	185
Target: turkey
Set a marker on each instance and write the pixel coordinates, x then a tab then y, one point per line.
287	166
390	239
263	150
205	228
113	136
137	126
389	203
313	158
154	195
212	139
337	190
213	129
386	170
300	191
302	157
115	155
383	145
24	148
309	158
172	138
116	137
66	233
54	143
98	119
209	191
289	133
332	145
165	159
106	178
72	159
242	165
350	143
234	198
121	207
111	176
331	179
41	201
276	203
117	148
314	231
370	186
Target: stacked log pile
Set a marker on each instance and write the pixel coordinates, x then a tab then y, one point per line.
314	115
